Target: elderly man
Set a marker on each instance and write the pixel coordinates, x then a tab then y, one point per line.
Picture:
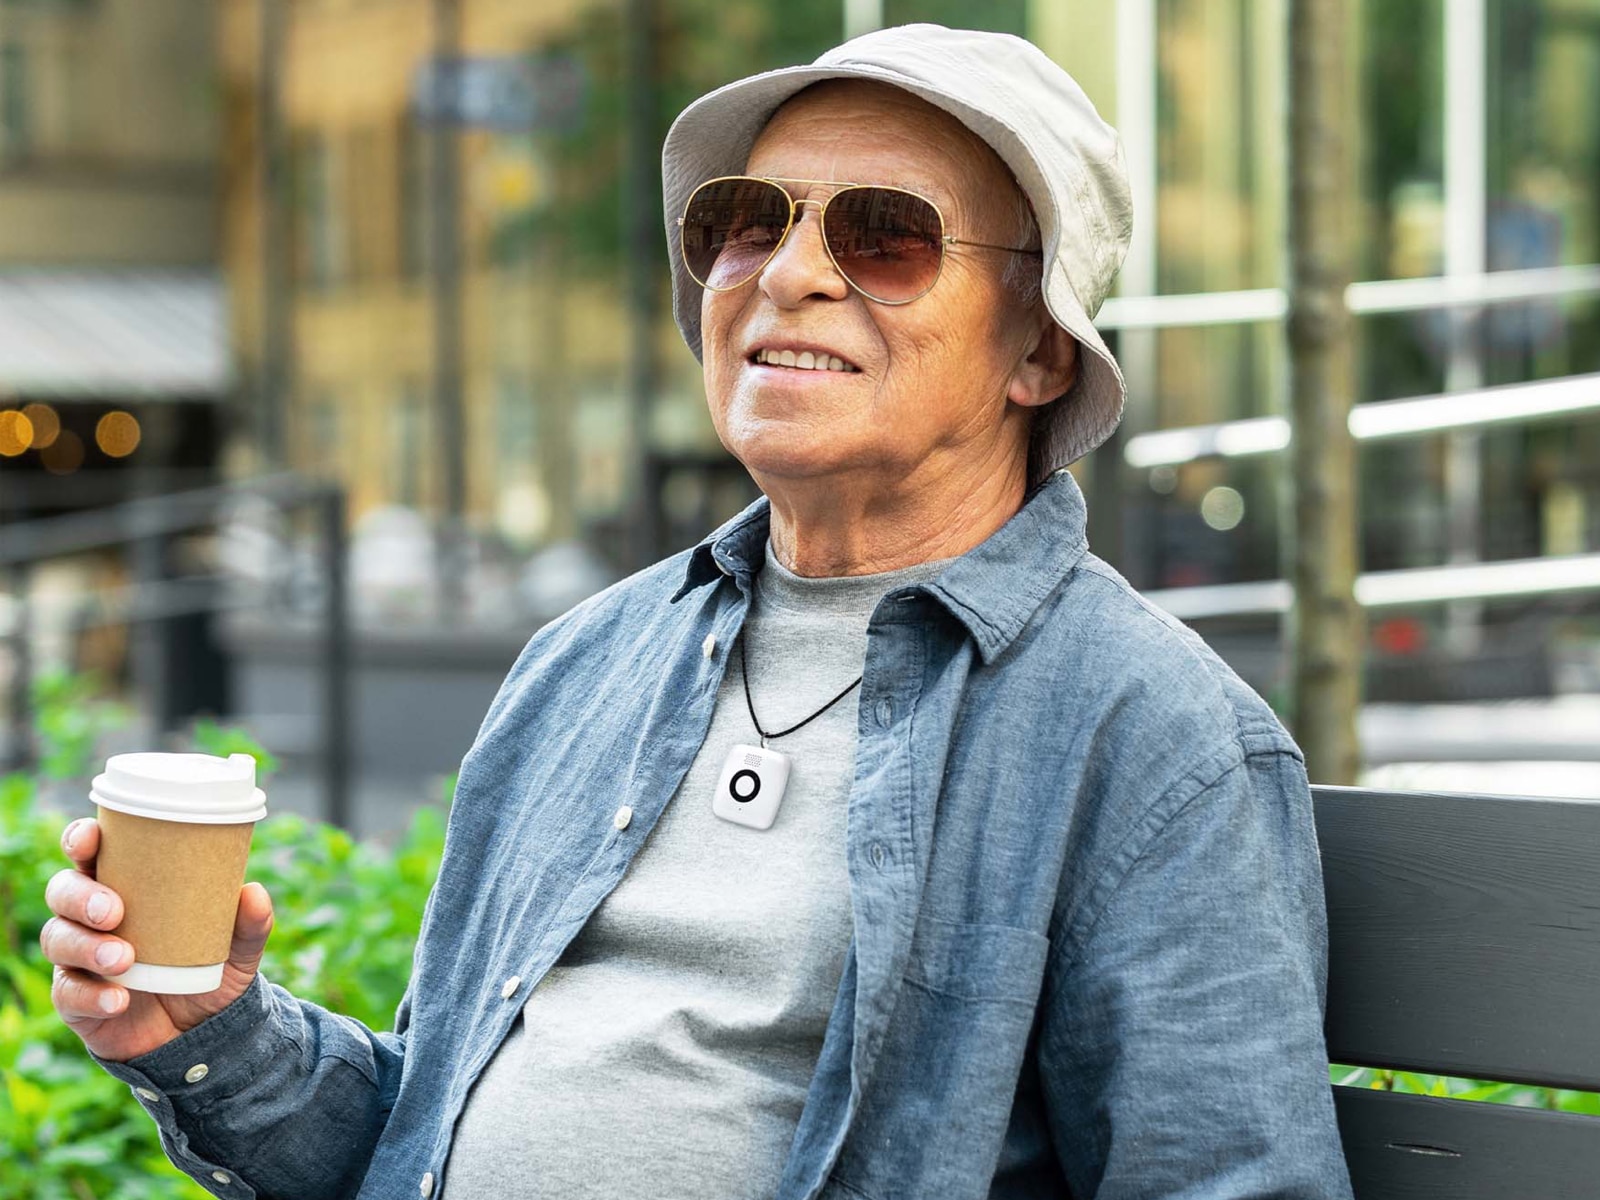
884	844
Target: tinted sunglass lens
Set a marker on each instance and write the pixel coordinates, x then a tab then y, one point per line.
887	242
730	229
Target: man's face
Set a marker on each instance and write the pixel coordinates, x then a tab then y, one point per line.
930	392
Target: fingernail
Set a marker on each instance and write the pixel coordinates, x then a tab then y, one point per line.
99	906
108	954
73	831
109	1001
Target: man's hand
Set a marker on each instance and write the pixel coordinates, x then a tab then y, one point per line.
114	1022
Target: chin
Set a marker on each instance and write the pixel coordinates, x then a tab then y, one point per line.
761	457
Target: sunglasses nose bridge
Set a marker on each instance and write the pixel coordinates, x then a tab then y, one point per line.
792	232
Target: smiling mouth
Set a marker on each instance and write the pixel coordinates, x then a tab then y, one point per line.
805	360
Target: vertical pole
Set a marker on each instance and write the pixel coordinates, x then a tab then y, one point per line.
149	647
1328	627
450	531
1465	253
642	237
275	372
21	754
336	663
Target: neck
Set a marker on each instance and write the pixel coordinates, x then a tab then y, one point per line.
826	525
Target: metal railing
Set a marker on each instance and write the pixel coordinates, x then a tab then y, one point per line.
142	524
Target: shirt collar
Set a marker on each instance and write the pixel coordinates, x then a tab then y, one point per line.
992	589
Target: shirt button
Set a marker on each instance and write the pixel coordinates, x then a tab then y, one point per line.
148	1094
709	645
221	1177
877	853
622	817
884	711
509	988
720	567
197	1072
426	1187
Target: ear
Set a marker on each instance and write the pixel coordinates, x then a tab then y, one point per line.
1049	369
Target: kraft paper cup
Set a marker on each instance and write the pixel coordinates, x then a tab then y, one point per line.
174	840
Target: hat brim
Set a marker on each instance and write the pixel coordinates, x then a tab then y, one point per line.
713	136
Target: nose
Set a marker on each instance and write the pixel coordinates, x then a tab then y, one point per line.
802	267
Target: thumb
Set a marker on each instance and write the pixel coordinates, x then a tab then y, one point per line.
251	928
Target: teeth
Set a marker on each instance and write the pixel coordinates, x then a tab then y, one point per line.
806	360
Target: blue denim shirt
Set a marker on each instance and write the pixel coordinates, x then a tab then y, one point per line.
1089	956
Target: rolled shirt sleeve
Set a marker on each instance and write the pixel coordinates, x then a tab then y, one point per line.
1181	1043
273	1097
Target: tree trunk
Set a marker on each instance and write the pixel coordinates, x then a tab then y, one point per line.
1326	627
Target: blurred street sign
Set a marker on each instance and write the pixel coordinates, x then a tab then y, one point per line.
510	94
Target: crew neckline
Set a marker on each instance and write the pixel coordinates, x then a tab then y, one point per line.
779	587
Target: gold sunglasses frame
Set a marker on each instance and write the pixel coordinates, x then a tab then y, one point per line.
778	181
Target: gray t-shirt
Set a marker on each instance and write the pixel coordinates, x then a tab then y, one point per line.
668	1051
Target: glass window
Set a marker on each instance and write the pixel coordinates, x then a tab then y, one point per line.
516	426
410	421
321	246
14	128
415	212
1400	232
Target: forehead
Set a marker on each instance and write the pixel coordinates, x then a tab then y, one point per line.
871	132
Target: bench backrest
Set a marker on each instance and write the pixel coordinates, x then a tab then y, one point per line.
1464	940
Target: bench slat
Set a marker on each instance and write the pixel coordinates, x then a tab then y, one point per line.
1464	934
1402	1147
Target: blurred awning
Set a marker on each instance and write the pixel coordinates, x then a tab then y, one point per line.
83	334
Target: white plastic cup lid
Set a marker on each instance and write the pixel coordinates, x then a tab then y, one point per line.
201	789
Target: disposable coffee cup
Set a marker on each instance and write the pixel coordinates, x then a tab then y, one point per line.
174	842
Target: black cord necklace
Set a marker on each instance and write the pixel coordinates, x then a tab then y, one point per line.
754	778
765	736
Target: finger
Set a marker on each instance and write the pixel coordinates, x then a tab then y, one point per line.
77	897
81	842
251	927
78	996
68	944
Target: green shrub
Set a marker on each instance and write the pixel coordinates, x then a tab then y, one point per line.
347	917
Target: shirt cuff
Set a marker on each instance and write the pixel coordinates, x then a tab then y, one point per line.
215	1059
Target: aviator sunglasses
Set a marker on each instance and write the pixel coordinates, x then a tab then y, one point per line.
888	243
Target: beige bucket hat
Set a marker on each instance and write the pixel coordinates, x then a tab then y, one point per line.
1067	160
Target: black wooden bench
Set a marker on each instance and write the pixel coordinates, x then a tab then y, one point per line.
1464	940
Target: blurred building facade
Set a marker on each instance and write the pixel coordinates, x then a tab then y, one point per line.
1478	134
115	367
414	247
110	300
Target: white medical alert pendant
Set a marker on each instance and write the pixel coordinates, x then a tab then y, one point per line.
752	785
